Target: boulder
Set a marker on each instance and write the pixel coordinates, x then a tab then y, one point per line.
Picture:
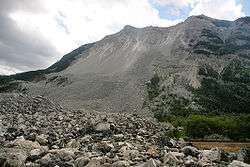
81	161
102	127
128	153
73	143
68	164
153	151
94	163
149	163
85	139
104	146
173	158
21	143
3	157
123	163
173	142
38	153
190	162
213	155
15	158
13	163
236	163
118	137
50	160
42	139
32	164
66	154
228	157
189	150
244	155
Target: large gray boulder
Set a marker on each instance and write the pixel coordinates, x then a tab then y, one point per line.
102	127
173	158
189	150
81	161
244	155
149	163
213	155
238	164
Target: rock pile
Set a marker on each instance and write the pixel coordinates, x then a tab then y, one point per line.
21	103
36	132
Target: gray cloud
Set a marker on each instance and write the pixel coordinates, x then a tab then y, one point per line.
19	49
34	6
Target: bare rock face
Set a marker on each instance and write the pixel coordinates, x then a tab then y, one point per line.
110	74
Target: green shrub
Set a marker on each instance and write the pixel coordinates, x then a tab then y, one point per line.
153	87
203	126
219	106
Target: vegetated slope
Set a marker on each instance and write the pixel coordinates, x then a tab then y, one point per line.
111	74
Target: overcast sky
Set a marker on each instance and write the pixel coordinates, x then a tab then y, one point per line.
36	33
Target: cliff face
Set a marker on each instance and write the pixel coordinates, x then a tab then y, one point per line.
111	74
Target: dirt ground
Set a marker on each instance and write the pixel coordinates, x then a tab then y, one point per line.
226	146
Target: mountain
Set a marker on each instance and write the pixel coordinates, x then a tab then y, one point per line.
112	74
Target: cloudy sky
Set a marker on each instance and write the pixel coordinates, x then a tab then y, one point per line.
36	33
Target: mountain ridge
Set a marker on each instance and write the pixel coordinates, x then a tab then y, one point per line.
128	27
110	74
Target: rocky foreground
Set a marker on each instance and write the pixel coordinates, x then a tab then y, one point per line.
36	132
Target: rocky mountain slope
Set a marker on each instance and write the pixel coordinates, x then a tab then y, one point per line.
110	74
36	132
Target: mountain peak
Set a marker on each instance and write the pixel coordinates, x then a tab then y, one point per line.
128	27
202	16
243	20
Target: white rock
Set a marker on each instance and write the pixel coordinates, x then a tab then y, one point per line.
213	155
238	164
